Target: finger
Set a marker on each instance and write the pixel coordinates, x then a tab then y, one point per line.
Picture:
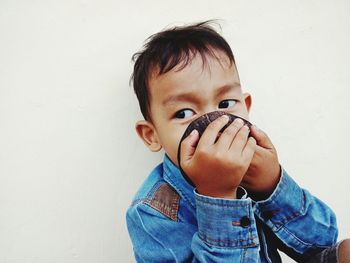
261	137
258	155
229	134
188	146
211	132
239	141
249	149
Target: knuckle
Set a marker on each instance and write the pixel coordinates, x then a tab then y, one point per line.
244	131
245	160
251	141
238	122
239	167
231	130
242	164
235	160
202	154
218	122
217	156
232	162
213	126
246	128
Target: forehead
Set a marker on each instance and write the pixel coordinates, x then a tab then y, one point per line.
202	60
198	74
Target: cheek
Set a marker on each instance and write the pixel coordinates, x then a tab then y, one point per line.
242	111
175	141
170	136
176	137
170	139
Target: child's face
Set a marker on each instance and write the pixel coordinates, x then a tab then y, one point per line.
179	97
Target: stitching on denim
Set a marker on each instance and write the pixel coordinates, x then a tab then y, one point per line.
154	188
296	238
168	210
236	223
249	242
285	220
279	189
243	255
139	201
303	201
225	241
149	194
223	205
147	201
179	190
278	225
238	246
291	217
175	206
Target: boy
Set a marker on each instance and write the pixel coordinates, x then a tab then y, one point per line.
243	205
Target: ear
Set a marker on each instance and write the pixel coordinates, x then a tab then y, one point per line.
248	100
148	135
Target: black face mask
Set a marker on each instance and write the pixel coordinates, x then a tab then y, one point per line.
200	124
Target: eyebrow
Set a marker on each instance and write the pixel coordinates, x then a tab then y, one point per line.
190	96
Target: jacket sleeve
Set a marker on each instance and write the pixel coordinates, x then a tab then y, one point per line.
301	224
226	232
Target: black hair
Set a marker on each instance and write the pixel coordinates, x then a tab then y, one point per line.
172	47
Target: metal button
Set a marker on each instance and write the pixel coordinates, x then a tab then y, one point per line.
245	221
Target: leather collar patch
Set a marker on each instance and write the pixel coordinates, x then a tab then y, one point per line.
165	200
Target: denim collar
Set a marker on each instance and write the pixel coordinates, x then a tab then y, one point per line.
174	177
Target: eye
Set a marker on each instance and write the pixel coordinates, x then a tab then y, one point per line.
227	103
185	113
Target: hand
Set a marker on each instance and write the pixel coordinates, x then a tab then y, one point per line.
216	166
264	171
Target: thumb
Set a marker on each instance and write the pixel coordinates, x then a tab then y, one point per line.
188	145
261	137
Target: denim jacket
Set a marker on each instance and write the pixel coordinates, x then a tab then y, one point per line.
169	221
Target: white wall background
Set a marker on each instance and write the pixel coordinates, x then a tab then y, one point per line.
70	160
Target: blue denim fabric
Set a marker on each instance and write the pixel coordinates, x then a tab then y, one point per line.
206	229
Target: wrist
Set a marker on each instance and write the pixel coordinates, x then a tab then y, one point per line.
230	194
264	191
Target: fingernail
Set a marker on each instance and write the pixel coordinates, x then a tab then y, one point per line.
224	117
239	121
194	132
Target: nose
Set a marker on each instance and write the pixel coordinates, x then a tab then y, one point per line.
211	108
201	123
